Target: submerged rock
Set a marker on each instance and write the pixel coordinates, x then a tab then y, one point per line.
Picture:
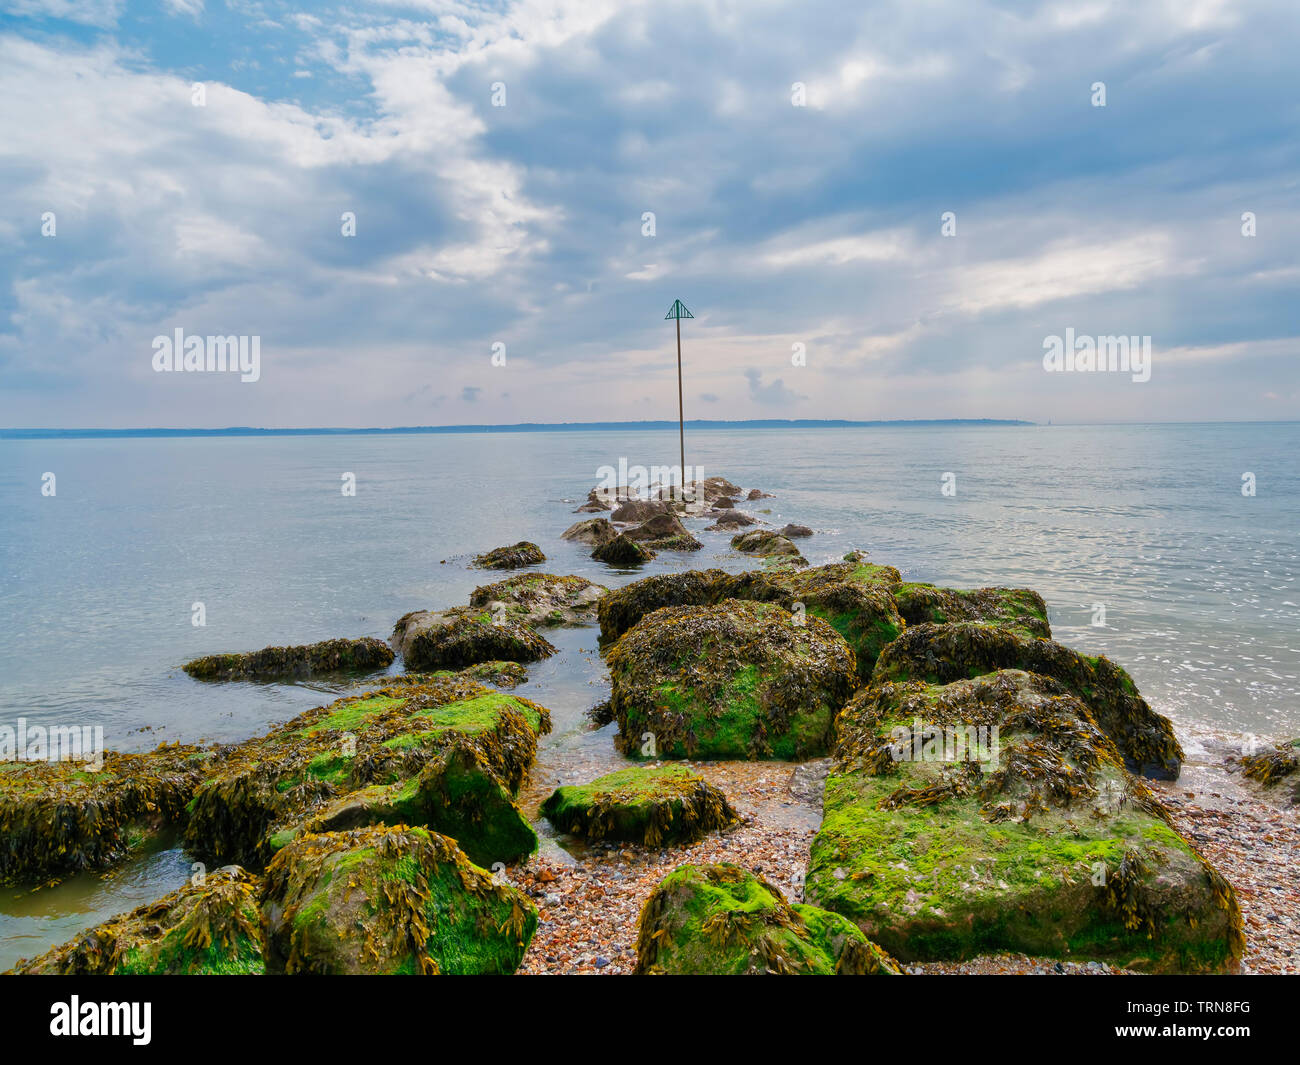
766	543
212	928
663	532
944	842
669	804
541	600
267	789
622	551
465	636
593	531
1021	609
735	680
329	656
854	597
512	557
722	920
390	901
939	654
61	817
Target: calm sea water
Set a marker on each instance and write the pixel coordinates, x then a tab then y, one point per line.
97	583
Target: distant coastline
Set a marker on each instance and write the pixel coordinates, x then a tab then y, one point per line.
520	427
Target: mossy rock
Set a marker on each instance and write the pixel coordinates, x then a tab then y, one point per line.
722	920
515	556
734	680
767	543
465	636
623	551
390	900
267	788
854	597
58	818
457	794
309	660
1051	849
654	806
1274	765
209	929
541	600
939	654
1019	609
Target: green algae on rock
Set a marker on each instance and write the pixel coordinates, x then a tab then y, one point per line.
308	660
61	817
541	600
622	551
1020	609
515	556
740	680
1052	848
767	543
464	636
722	920
666	804
854	597
390	900
209	928
265	789
939	654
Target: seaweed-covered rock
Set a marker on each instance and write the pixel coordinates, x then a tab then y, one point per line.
1274	764
308	660
1021	609
435	640
512	557
667	804
943	653
722	920
734	680
593	531
663	532
712	489
766	543
61	817
541	600
267	788
622	551
756	494
994	814
211	928
397	901
853	596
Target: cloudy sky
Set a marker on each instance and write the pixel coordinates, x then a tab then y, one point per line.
188	164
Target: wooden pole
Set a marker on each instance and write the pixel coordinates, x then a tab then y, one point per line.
681	415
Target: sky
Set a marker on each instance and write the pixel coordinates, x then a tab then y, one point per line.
436	212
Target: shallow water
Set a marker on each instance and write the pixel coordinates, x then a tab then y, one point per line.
97	584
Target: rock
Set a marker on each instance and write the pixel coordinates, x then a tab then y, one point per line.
712	489
670	804
622	551
600	715
1015	608
663	532
1273	765
730	519
593	505
853	596
390	901
505	675
541	600
716	920
795	531
210	929
738	680
755	493
724	503
767	543
942	842
329	656
939	654
61	817
266	790
593	531
639	510
465	636
513	557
